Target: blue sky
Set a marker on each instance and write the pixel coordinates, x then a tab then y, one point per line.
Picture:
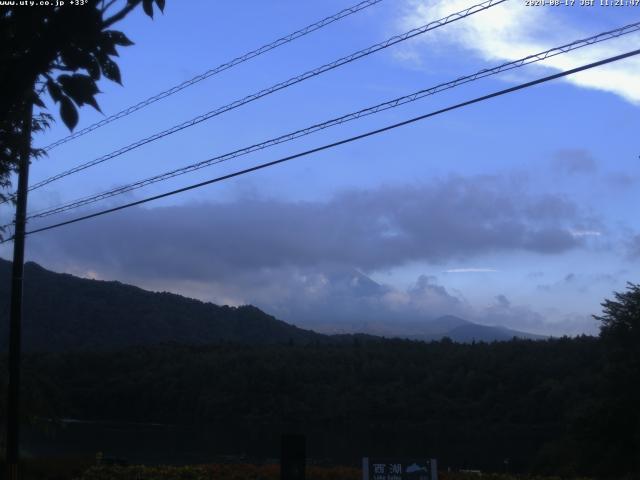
517	211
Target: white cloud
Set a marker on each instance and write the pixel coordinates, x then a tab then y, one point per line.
585	233
511	31
470	270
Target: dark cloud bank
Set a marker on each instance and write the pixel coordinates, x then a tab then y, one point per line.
305	261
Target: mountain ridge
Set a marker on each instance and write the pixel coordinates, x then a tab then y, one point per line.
65	312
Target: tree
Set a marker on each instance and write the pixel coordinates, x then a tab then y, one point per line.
620	322
61	51
617	423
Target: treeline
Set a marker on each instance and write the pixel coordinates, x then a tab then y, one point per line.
535	403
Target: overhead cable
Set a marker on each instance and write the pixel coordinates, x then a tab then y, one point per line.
214	71
627	29
274	88
338	143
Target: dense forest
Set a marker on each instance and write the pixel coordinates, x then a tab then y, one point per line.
104	351
537	403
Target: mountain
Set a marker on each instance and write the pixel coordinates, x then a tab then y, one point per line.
445	324
463	331
353	302
456	328
63	312
484	333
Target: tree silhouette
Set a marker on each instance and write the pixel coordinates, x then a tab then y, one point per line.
60	51
617	422
620	322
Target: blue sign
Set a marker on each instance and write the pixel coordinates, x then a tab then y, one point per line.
396	469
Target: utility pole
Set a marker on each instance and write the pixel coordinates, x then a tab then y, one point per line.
13	403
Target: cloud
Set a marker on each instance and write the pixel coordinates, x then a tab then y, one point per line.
583	283
470	270
308	262
447	219
503	312
585	233
512	30
338	299
384	309
343	300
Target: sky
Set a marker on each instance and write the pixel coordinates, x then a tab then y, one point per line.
518	211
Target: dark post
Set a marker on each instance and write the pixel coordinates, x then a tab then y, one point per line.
293	458
13	403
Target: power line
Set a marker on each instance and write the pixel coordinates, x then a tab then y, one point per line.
627	29
279	86
341	142
220	68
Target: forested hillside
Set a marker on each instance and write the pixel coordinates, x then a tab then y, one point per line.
65	312
468	404
557	406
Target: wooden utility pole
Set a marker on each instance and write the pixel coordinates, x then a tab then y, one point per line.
13	403
293	457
